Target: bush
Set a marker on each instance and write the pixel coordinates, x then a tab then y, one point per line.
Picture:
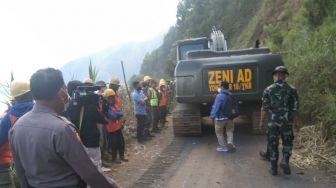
312	59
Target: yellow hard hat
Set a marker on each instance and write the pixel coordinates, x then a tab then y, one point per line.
109	92
162	82
115	81
88	81
18	88
146	78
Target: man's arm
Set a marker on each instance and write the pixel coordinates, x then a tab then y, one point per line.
69	147
137	99
216	106
20	172
115	115
100	128
266	105
149	93
4	129
294	107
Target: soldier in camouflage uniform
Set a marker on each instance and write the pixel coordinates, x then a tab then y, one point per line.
279	103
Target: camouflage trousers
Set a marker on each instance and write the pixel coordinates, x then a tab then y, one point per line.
274	133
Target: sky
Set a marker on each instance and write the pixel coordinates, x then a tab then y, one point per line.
37	34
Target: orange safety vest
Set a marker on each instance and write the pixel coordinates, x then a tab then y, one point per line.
6	156
163	98
114	125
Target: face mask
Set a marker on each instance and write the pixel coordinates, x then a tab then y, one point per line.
65	98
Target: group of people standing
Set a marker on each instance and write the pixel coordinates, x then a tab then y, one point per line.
58	140
99	119
280	103
150	101
46	143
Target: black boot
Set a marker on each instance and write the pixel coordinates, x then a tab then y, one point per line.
264	155
274	168
148	134
284	164
116	161
122	158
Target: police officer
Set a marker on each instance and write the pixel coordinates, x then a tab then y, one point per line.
279	103
46	148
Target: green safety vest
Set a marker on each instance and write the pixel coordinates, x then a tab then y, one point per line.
154	101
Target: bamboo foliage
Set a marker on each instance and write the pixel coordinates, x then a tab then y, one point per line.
12	76
4	90
93	71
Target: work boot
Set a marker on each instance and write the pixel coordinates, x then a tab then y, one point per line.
274	168
231	147
123	159
284	164
116	161
264	155
149	135
156	130
104	169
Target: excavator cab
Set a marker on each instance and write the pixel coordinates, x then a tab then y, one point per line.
190	45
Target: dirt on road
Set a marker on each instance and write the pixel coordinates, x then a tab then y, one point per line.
193	162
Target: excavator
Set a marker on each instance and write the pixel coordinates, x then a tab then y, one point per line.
202	63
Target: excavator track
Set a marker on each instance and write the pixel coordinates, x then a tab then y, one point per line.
187	120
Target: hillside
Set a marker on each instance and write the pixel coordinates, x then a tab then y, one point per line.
108	61
302	31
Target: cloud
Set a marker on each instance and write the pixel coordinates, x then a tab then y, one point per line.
40	33
36	34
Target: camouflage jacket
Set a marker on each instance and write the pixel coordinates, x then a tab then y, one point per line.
281	101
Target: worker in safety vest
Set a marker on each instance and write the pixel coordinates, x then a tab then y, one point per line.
148	123
163	94
20	92
154	105
114	115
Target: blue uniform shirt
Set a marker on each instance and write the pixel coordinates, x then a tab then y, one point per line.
138	96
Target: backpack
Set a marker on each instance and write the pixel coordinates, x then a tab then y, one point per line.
230	108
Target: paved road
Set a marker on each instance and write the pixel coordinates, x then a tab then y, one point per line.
200	166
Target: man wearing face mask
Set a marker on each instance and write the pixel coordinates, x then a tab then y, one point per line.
280	102
140	110
46	148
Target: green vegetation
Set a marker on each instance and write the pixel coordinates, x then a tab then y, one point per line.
93	72
4	90
303	31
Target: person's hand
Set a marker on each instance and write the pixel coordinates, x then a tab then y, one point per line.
262	124
142	102
101	141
